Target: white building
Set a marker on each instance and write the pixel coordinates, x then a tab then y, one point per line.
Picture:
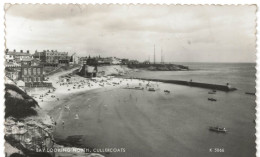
116	60
16	57
74	59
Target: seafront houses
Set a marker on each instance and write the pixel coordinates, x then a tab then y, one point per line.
111	60
63	62
31	72
147	62
16	57
124	61
52	57
133	62
13	63
12	74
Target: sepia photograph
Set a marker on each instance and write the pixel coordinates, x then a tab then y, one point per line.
110	80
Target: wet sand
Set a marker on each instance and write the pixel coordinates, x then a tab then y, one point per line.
156	124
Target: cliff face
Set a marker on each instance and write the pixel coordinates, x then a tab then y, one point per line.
27	127
114	69
159	67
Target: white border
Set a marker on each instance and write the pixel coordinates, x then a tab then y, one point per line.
221	2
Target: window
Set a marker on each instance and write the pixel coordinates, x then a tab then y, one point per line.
25	71
29	71
29	79
39	71
34	71
25	79
33	79
39	79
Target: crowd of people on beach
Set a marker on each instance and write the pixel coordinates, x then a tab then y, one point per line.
74	83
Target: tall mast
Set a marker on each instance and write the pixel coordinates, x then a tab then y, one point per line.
161	57
154	54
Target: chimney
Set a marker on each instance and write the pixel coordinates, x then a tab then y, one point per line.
7	50
14	50
28	51
21	51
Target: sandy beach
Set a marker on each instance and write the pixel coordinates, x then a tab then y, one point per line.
151	123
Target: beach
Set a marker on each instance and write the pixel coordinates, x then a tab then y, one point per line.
147	123
123	114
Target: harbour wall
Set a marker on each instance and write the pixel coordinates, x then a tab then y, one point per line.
194	84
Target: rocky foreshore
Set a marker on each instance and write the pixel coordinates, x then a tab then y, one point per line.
28	129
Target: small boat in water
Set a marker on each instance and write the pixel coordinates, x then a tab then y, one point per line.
76	116
212	99
212	92
217	129
151	89
167	92
139	88
249	93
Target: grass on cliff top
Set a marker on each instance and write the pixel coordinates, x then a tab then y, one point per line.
21	106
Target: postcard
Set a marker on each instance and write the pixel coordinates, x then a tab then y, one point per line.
130	80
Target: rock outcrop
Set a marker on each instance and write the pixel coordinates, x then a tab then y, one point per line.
28	129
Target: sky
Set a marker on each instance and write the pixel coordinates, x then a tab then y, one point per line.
180	33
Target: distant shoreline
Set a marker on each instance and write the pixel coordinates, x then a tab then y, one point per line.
159	67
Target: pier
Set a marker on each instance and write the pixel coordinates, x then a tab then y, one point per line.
194	84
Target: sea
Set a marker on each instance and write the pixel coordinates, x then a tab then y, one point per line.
146	123
239	75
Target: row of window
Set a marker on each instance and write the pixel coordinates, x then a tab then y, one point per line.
56	54
12	56
30	71
32	79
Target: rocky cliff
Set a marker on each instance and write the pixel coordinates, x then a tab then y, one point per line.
28	129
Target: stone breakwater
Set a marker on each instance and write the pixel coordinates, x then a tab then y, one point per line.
194	84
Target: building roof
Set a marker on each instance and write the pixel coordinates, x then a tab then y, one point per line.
38	53
12	65
10	70
50	53
18	53
27	59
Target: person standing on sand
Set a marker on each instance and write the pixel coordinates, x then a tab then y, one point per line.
228	85
63	124
76	116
